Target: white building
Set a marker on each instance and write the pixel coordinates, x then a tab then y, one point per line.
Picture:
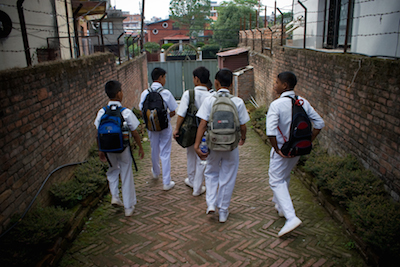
373	26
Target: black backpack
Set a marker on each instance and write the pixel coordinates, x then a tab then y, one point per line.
154	113
188	129
299	142
109	133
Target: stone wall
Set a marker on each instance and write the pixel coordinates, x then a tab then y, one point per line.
46	120
358	97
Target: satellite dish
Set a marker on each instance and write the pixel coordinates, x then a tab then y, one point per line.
5	25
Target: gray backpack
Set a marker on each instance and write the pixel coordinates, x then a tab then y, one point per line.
223	127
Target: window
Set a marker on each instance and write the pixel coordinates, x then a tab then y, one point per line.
155	31
107	27
335	23
165	25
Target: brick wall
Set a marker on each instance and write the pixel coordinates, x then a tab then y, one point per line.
358	97
243	83
46	120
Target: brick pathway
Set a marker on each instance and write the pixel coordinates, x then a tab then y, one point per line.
171	228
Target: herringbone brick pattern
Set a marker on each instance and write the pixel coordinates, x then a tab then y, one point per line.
171	228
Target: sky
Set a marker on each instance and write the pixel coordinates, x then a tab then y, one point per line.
160	8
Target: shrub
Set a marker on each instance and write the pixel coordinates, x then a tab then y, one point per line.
210	51
28	241
258	118
166	46
200	44
378	222
88	177
348	184
322	166
152	47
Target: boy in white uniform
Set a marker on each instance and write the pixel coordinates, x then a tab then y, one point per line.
279	116
121	163
161	141
222	166
195	169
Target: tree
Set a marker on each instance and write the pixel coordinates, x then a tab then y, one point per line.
226	28
191	14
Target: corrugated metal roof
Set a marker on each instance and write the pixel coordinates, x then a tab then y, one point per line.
232	52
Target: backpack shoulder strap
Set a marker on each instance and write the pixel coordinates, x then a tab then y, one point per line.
191	96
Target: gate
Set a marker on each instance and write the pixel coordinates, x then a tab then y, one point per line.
180	74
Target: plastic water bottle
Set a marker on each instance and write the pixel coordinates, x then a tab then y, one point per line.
125	133
203	148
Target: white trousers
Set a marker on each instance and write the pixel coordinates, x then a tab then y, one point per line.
122	166
160	143
195	169
279	179
220	175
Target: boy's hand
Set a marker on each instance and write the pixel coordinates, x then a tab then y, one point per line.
201	155
281	154
175	133
141	153
102	156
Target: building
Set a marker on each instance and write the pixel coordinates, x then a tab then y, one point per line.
372	28
111	31
234	59
51	31
214	11
132	23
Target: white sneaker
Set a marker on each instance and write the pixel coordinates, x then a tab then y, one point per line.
129	212
202	190
278	209
154	175
210	210
116	202
289	226
169	186
188	183
223	216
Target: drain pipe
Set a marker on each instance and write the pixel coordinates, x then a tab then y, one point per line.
101	31
78	53
119	51
69	31
23	31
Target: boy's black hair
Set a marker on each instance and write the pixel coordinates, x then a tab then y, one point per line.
225	77
112	88
202	73
157	73
289	78
209	84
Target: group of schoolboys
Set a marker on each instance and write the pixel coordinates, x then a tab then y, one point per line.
221	167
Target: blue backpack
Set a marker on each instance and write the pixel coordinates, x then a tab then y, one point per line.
109	133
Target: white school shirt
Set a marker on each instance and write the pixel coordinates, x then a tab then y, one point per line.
200	93
167	96
205	108
280	114
128	115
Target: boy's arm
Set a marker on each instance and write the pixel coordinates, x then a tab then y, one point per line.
171	114
179	122
315	132
136	136
274	144
102	155
199	135
243	130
